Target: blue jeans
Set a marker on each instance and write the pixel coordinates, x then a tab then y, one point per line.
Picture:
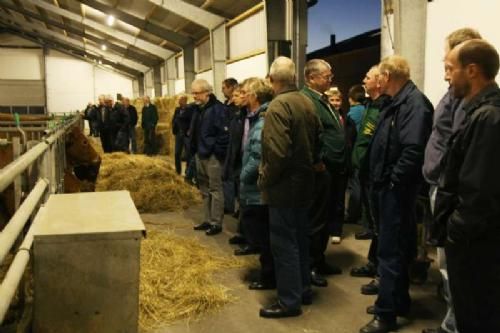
289	235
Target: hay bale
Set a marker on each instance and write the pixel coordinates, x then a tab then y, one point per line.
153	183
177	279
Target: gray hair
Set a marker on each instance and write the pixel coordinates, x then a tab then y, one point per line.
283	70
315	66
203	84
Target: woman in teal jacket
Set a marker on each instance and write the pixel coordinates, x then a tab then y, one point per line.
254	214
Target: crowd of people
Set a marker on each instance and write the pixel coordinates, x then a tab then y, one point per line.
115	123
281	159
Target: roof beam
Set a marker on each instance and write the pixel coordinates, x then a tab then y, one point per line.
146	25
140	43
148	61
191	13
66	49
77	43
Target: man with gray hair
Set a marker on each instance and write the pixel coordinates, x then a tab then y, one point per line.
329	172
211	137
290	139
396	155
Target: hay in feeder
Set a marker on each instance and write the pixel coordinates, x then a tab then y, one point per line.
153	183
177	279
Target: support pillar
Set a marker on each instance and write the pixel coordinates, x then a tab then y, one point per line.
171	75
218	50
157	81
140	79
189	72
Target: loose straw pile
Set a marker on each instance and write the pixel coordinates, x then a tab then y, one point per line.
152	182
177	279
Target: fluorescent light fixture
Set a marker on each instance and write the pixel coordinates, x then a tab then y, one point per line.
104	47
110	20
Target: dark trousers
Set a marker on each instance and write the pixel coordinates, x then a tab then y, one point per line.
338	186
318	215
255	222
179	148
149	141
396	247
474	273
229	195
289	229
354	208
372	251
107	140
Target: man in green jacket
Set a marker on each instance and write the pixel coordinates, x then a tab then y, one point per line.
286	176
148	124
318	77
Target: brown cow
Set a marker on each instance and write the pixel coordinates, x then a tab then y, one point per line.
82	159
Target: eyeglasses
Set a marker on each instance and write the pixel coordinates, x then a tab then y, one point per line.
327	77
198	92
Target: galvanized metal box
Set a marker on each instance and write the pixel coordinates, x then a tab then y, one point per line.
86	264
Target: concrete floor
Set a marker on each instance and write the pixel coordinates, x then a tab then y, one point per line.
338	308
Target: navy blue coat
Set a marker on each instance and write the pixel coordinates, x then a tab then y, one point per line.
211	130
397	149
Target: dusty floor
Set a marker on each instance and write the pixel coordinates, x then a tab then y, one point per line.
338	308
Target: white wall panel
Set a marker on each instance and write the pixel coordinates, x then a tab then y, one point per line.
207	75
70	83
107	82
443	17
254	66
180	86
21	64
248	35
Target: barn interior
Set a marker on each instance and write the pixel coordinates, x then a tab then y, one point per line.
95	241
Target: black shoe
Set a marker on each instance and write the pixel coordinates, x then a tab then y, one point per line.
327	269
371	310
370	288
368	270
213	230
364	235
378	325
202	226
246	250
433	330
277	310
262	285
237	240
317	280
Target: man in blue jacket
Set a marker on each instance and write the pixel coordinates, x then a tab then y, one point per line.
396	155
211	136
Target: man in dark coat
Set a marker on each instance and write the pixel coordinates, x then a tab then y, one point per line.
318	76
290	148
396	156
212	136
180	127
149	120
121	119
132	115
468	198
106	125
448	116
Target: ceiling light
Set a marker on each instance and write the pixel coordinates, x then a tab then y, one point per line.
100	62
110	20
104	47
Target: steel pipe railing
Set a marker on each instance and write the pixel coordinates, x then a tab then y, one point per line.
11	231
16	270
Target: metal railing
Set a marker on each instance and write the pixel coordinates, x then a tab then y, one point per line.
49	156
